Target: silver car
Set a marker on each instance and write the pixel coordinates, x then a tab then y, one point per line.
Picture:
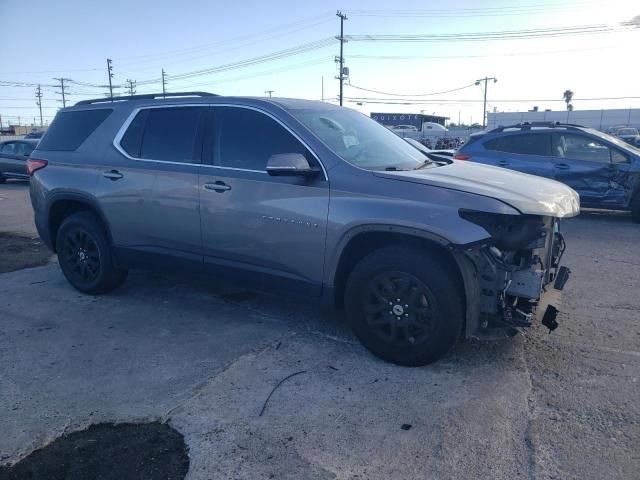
300	197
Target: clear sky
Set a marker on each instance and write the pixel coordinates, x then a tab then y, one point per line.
41	39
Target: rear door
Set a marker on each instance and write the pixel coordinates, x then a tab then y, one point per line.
528	152
593	168
149	191
272	227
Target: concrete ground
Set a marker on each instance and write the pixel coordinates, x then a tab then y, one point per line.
540	406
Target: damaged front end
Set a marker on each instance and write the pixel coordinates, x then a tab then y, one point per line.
513	269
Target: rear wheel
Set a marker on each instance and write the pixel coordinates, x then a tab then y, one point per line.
405	305
85	257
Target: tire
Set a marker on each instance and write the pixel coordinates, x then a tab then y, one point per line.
85	256
2	179
427	321
635	208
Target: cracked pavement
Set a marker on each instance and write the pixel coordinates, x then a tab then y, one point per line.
539	406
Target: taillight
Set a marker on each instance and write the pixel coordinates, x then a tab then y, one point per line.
461	156
33	165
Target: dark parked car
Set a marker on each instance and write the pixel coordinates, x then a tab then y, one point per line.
35	134
321	201
604	170
13	158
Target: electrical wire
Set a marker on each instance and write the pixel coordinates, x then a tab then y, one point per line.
410	95
498	35
304	48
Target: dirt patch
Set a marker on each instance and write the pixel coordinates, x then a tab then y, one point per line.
18	252
127	451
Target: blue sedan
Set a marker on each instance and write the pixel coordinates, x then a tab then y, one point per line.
604	170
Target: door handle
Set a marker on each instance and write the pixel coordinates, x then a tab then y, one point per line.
563	166
218	186
503	162
112	175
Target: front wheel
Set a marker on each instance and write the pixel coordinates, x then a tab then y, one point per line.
85	257
405	305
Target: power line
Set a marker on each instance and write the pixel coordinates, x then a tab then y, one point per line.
421	101
449	57
260	73
293	26
307	47
412	94
506	10
497	35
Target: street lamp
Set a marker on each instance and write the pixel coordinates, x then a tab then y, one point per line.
484	110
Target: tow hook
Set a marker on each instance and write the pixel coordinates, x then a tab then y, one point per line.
561	278
549	318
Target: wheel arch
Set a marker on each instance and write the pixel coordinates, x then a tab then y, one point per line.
361	241
64	204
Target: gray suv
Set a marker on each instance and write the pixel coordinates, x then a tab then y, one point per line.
301	197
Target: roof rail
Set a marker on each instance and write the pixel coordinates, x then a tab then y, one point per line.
146	96
529	125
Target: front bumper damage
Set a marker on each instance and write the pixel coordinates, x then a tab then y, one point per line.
509	285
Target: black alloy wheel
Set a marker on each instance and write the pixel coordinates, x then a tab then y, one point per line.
399	308
81	256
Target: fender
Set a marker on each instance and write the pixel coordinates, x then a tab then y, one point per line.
81	197
333	258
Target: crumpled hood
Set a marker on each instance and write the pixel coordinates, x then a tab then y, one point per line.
527	193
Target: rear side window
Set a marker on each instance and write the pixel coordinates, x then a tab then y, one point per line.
245	138
525	144
70	129
132	139
171	134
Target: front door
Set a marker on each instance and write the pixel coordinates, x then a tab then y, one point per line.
597	171
272	227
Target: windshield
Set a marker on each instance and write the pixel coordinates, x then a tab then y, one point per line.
627	131
616	141
359	140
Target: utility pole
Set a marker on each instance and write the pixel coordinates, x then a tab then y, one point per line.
164	83
39	102
110	73
269	92
484	111
63	90
343	17
322	87
131	86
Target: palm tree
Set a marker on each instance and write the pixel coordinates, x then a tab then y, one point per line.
567	96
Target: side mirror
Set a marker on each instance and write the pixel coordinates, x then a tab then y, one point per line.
289	164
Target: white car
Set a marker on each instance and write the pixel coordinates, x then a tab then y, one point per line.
404	128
